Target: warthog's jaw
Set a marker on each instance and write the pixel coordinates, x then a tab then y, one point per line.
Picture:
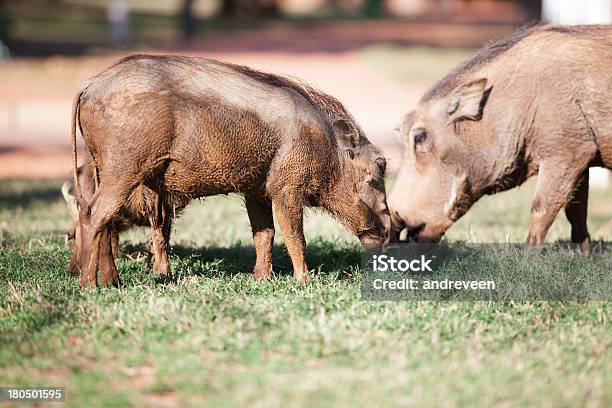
380	235
372	238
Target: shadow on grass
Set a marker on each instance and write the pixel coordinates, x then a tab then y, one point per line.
56	309
18	194
37	294
322	256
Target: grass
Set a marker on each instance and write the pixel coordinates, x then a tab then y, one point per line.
219	338
415	64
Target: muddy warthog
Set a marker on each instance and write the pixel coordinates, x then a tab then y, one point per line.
137	211
537	102
191	127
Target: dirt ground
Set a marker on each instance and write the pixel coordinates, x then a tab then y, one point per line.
36	94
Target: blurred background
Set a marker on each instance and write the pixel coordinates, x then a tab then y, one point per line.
376	56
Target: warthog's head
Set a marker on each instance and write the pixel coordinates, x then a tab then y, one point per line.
357	197
86	181
433	188
69	196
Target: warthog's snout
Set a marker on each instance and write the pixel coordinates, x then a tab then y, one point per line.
419	232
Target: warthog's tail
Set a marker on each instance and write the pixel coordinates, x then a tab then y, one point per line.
81	203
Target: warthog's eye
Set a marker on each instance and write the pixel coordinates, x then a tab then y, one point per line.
420	137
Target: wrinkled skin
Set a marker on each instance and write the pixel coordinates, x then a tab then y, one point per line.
537	102
190	127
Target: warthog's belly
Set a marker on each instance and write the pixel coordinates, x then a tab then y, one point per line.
200	180
218	151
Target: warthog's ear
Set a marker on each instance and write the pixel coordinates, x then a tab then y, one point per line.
468	101
346	135
403	129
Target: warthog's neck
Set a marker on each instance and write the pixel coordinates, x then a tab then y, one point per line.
339	193
503	166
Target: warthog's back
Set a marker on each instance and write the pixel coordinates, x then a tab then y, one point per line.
570	77
217	126
196	80
548	82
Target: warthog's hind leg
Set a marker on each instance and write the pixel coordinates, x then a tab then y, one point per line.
95	234
554	188
161	226
576	212
108	271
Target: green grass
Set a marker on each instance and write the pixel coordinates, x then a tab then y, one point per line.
218	337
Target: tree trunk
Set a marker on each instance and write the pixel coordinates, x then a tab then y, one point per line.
118	14
533	9
4	24
187	20
228	8
373	8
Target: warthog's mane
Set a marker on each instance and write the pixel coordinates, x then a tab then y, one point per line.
486	54
325	104
330	107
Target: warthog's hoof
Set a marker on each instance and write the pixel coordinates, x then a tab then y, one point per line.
302	277
161	268
87	283
111	283
262	274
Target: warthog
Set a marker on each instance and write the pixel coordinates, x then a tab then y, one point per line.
536	102
191	127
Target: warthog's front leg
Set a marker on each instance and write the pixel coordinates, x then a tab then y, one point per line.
290	216
262	225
